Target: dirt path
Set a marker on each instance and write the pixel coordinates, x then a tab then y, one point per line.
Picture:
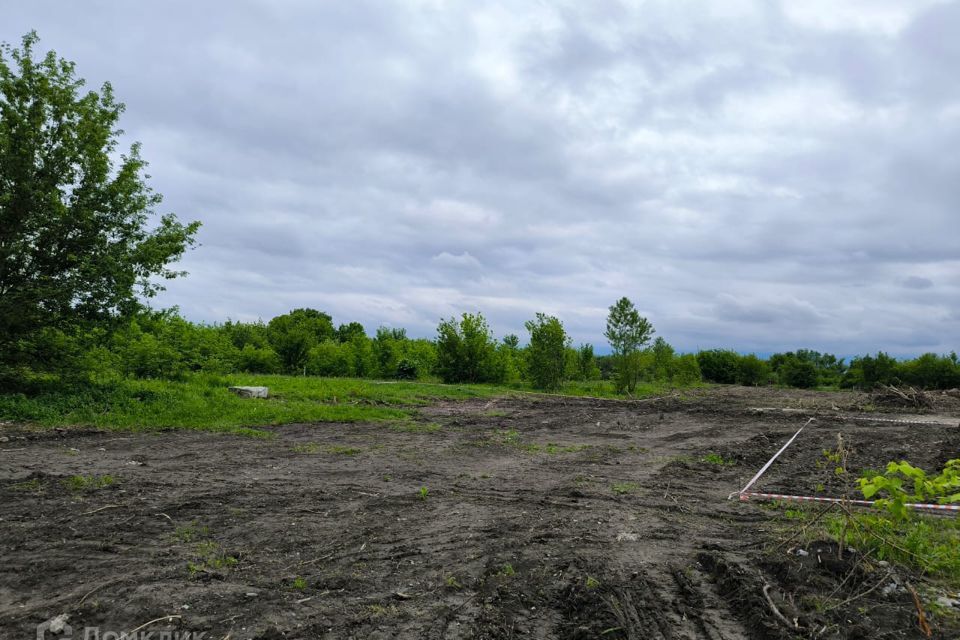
537	517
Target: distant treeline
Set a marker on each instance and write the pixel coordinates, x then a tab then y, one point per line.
306	342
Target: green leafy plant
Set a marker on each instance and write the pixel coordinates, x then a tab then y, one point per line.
903	483
423	493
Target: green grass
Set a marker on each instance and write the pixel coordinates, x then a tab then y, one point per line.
338	450
202	401
623	488
88	483
717	459
927	543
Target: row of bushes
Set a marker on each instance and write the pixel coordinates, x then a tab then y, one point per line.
306	342
809	369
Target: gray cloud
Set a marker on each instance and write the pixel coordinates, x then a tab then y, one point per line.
755	175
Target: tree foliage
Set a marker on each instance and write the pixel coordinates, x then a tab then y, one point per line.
79	242
546	355
627	331
466	350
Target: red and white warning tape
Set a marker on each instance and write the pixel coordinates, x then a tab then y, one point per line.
745	494
744	497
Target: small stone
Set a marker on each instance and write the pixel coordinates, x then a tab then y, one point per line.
802	553
251	594
250	392
4	439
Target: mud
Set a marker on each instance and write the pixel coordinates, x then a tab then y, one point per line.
538	517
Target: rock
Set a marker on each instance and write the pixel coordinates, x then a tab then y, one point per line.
4	439
802	552
250	392
944	601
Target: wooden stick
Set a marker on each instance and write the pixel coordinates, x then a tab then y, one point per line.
147	624
109	506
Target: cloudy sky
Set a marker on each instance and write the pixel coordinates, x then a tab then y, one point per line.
753	175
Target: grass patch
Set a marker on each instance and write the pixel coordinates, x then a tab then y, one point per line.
191	532
210	555
88	483
27	485
622	488
299	583
416	427
512	438
202	401
337	450
717	459
930	544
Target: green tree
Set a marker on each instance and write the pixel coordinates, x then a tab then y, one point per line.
546	355
627	331
80	245
752	371
798	373
587	368
663	355
293	334
466	351
719	365
347	332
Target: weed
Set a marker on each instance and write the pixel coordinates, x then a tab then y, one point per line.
928	543
28	485
339	450
299	583
190	532
210	555
416	427
423	493
88	483
452	583
506	571
717	459
622	488
381	611
592	583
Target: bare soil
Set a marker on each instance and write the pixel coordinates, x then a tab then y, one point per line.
539	517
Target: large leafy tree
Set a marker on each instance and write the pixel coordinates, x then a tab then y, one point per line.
627	331
79	242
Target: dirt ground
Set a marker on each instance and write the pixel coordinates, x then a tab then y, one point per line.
537	517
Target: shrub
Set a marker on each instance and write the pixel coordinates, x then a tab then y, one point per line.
686	370
466	351
719	365
258	360
546	355
799	373
752	371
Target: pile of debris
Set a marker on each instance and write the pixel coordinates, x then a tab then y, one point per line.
901	397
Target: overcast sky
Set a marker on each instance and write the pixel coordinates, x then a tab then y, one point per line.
752	175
